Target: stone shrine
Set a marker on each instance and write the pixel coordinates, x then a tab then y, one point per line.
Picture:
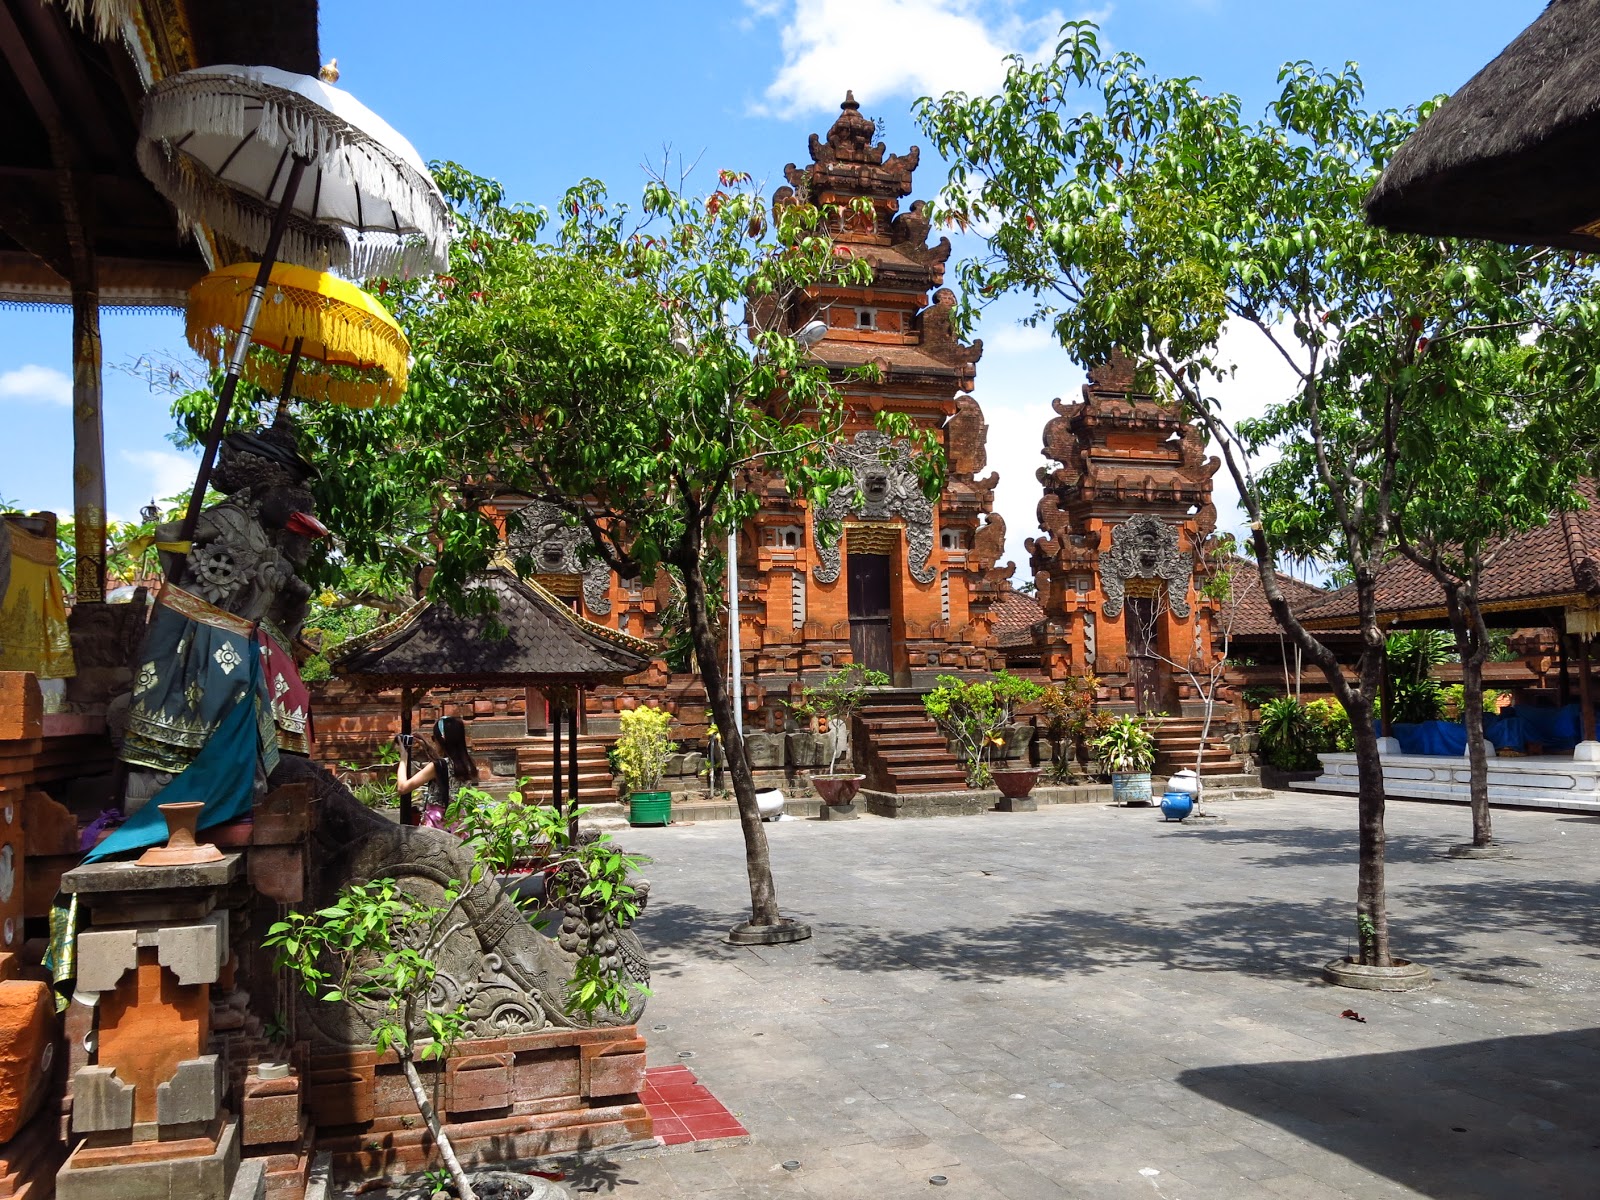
1127	513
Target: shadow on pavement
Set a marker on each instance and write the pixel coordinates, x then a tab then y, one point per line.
1515	1118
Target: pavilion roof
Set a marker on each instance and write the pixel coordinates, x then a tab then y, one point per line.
1530	577
1246	612
54	73
1510	156
545	644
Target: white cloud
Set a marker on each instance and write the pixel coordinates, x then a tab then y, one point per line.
33	384
169	474
897	47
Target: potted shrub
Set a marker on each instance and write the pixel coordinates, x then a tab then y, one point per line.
1127	749
642	752
834	705
1070	721
973	714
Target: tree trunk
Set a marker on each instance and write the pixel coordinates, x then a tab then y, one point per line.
435	1126
1472	717
758	864
1372	911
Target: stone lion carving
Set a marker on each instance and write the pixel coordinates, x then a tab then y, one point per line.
511	978
552	541
1145	547
884	486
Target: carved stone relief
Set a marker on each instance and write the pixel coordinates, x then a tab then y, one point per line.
885	486
550	539
1145	547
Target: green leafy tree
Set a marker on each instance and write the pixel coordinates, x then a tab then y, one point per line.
635	368
1494	449
1146	215
376	948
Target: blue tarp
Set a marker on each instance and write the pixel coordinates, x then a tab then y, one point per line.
1554	730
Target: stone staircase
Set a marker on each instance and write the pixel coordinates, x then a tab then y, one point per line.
1177	741
498	748
899	749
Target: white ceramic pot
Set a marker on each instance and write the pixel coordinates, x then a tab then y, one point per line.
770	802
1184	781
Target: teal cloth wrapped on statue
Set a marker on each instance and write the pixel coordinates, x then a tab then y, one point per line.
222	776
193	667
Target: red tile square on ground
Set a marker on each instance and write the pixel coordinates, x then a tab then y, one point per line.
682	1110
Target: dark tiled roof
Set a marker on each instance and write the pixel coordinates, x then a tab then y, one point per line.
1552	566
546	643
1251	616
1016	615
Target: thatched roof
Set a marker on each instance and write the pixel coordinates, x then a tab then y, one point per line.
545	644
1510	157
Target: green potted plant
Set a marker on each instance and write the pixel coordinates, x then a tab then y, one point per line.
642	752
1126	748
973	714
833	706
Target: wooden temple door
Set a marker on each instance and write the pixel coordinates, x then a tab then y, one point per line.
871	642
1144	669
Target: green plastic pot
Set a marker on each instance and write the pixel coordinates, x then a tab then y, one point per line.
650	808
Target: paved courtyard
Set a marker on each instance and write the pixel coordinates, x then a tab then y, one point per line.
1084	1002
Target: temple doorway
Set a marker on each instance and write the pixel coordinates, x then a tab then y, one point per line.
871	642
1144	668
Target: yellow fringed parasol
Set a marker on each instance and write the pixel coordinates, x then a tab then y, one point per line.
332	341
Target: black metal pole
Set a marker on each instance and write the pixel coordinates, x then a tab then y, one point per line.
405	748
287	391
555	751
572	769
241	347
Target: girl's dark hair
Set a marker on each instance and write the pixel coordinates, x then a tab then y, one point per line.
450	733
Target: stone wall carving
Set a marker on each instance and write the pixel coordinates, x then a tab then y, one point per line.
884	486
511	978
1145	547
552	541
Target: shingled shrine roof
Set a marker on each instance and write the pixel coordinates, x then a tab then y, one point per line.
1510	156
1017	616
545	644
1532	574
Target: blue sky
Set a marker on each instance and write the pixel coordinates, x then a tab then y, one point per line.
539	95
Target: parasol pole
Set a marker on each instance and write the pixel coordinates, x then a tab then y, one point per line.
287	390
241	348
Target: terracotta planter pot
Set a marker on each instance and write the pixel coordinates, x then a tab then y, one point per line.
837	789
1016	783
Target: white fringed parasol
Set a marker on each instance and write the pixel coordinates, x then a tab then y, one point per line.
294	169
220	143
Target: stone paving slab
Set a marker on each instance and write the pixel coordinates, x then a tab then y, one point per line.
1082	1002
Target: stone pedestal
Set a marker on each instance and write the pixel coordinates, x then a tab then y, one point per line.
840	812
148	1103
1016	804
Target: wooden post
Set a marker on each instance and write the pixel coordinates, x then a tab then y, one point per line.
1585	696
1386	693
1564	685
88	438
405	733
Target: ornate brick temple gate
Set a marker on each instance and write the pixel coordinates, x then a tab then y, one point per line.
1127	514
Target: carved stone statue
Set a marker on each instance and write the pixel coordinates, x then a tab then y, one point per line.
550	539
1145	547
884	486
